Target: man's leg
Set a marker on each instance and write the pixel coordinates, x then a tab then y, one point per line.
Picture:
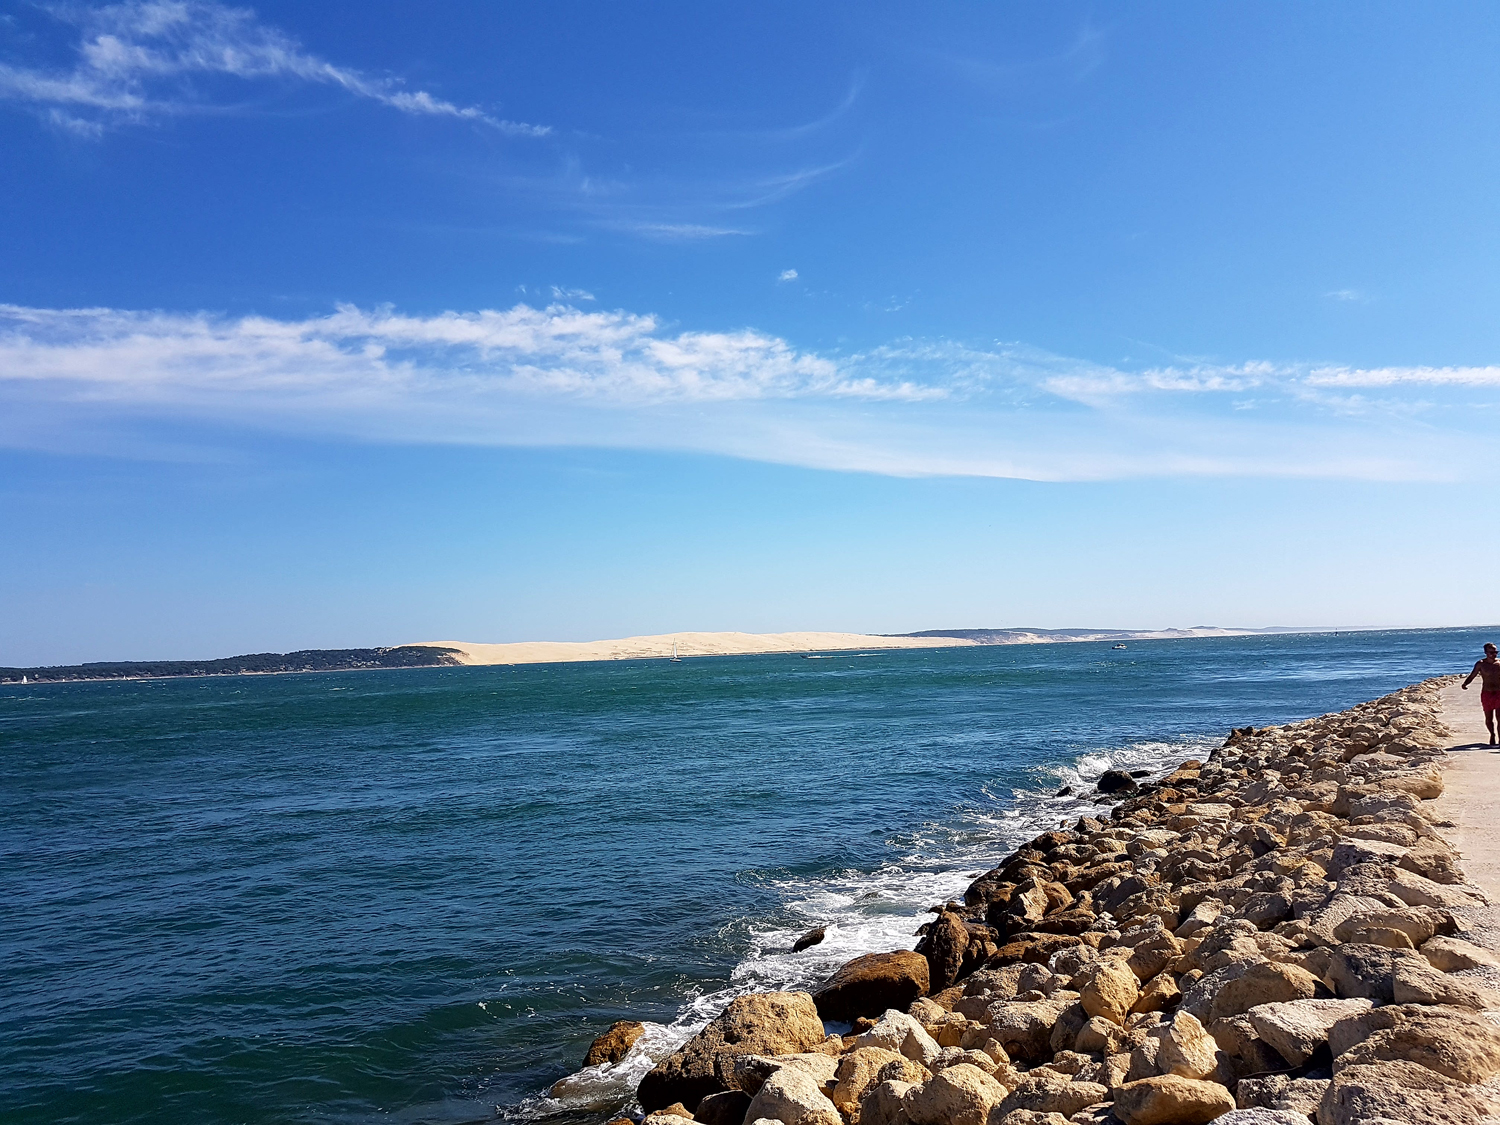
1489	724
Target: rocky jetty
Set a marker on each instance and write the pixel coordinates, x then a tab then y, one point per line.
1269	937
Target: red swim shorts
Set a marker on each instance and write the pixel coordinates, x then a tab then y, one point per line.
1490	700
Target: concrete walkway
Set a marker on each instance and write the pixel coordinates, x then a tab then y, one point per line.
1471	789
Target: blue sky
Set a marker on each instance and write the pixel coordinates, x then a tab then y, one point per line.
341	324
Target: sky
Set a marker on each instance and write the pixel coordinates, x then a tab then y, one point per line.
359	324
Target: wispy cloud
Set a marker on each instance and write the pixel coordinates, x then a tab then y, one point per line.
787	275
138	60
1352	296
562	375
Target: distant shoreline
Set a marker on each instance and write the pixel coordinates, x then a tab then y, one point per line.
441	654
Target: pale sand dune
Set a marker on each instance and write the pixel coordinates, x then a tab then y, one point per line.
688	644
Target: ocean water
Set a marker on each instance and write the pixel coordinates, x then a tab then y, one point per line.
416	895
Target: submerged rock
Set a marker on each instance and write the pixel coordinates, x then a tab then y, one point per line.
615	1043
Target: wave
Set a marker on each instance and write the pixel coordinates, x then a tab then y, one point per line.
864	912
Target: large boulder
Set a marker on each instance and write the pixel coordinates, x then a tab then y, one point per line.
724	1108
1052	1094
943	946
1297	1028
902	1034
1107	988
865	1067
1414	981
1268	982
869	985
615	1043
1185	1049
1360	970
885	1104
1171	1100
1024	1028
1399	1092
1452	1043
765	1023
1449	954
793	1096
959	1095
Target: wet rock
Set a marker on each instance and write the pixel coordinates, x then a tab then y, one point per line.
943	946
1171	1100
768	1023
615	1043
869	985
1116	781
808	940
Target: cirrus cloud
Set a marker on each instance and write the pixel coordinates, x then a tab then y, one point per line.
137	60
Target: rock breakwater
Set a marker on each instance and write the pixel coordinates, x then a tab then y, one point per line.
1270	935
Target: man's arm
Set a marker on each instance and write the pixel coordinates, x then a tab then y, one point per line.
1472	674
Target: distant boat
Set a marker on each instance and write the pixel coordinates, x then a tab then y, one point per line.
675	657
1119	646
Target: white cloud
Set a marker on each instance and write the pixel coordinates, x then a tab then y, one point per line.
787	275
561	294
137	61
561	375
1352	295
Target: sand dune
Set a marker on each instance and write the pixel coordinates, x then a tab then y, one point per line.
688	644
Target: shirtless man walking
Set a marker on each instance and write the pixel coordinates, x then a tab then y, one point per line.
1488	671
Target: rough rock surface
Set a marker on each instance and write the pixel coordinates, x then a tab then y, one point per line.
1275	933
765	1023
615	1043
871	984
1171	1100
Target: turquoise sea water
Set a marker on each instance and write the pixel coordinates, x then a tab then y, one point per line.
417	895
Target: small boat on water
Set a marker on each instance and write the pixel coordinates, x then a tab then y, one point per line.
675	658
1118	646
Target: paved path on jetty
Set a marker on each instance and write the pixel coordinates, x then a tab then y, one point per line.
1471	789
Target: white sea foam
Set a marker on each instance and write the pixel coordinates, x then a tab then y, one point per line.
867	912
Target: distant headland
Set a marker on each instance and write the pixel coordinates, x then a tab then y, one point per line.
435	654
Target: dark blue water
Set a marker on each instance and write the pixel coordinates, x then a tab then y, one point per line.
416	895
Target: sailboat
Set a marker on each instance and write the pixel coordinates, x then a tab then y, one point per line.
675	658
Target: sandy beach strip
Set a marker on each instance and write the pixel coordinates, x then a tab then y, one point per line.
688	644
